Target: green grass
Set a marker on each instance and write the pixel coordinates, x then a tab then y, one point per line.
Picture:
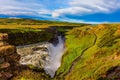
96	60
76	44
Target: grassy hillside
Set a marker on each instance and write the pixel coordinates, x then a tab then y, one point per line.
91	52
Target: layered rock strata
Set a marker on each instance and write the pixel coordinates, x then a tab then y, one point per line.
8	58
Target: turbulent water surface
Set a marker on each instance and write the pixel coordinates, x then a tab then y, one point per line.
43	55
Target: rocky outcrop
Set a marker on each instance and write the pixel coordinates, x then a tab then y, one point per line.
19	37
112	74
8	58
55	33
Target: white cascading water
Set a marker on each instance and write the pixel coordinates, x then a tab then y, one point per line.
52	59
55	53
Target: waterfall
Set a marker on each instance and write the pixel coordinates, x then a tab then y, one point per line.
45	55
55	53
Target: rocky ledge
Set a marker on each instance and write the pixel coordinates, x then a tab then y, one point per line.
8	58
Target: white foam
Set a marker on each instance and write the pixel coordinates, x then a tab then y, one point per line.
52	58
55	53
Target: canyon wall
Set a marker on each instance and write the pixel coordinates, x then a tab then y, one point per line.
8	58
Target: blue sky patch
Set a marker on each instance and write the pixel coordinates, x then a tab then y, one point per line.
83	11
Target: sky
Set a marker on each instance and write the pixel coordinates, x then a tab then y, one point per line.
80	11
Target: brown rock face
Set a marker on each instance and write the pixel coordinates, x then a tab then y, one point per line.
3	37
8	58
2	60
2	43
5	76
4	65
7	50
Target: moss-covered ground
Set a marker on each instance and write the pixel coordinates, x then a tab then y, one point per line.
101	54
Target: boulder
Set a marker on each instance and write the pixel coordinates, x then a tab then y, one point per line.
5	76
0	75
3	37
4	65
7	50
3	43
13	58
2	60
55	33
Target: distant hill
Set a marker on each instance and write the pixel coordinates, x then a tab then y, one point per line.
11	23
27	21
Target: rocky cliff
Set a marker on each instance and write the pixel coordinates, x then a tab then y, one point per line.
8	58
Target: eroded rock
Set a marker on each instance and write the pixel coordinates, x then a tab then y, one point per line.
8	58
4	65
2	60
3	37
5	75
7	50
112	74
3	43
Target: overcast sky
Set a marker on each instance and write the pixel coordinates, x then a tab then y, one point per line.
91	11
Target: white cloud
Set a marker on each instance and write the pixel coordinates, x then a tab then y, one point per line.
83	7
15	7
13	13
44	11
71	10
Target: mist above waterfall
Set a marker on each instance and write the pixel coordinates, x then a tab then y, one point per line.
45	55
55	53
